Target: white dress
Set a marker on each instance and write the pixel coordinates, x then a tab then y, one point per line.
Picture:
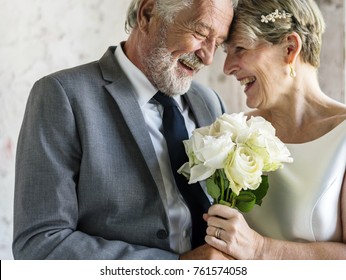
303	200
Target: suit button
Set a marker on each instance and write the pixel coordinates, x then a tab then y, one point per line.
162	234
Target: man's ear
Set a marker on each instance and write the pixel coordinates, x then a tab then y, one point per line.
145	13
293	47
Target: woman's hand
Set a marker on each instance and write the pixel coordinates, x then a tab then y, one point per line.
228	232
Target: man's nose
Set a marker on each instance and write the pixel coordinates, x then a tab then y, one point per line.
207	51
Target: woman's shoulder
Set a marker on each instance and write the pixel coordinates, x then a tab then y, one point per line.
337	115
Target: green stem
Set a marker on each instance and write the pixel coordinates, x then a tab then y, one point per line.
214	178
222	183
232	199
228	195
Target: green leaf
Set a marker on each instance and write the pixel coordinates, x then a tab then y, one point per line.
245	201
262	190
213	189
245	196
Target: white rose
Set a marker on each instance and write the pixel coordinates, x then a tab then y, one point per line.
244	169
206	154
262	140
234	123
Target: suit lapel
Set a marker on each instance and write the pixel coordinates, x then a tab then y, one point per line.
123	94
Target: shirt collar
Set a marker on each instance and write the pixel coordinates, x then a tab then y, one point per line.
143	88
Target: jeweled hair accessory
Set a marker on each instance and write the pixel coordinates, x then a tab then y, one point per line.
275	15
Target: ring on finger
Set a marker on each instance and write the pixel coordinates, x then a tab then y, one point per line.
218	233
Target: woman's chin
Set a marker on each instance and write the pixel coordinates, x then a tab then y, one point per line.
251	103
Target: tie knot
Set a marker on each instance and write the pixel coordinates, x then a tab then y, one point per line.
164	100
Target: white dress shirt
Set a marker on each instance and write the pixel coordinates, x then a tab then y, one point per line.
176	209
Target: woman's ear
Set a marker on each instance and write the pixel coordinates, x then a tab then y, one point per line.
145	13
293	47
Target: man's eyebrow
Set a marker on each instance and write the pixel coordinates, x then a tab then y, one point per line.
204	25
210	28
200	25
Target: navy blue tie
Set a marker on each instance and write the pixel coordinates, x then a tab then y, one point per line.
175	132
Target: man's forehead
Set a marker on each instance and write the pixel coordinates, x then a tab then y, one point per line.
208	16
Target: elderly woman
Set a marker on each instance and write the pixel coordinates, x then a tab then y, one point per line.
273	51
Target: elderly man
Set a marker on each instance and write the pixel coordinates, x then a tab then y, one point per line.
93	170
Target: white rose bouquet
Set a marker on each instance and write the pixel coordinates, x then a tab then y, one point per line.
232	155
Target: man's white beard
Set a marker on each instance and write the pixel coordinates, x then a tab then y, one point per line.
165	73
163	70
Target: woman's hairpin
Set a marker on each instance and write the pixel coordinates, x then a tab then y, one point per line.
275	15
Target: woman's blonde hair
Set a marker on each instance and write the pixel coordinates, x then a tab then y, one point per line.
251	24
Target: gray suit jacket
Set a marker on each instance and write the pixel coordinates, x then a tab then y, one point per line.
87	177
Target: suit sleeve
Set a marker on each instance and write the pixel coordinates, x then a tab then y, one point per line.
48	159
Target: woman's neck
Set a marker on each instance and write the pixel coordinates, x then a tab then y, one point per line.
305	114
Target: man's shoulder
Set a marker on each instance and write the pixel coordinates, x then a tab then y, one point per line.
76	72
199	87
202	91
205	97
86	71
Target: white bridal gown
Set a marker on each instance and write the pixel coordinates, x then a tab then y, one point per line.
303	200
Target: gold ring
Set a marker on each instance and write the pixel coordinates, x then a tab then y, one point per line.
218	233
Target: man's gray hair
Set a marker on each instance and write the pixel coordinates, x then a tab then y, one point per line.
167	9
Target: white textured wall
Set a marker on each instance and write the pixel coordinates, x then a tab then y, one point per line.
333	62
38	37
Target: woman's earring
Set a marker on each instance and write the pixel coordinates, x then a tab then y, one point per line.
293	73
